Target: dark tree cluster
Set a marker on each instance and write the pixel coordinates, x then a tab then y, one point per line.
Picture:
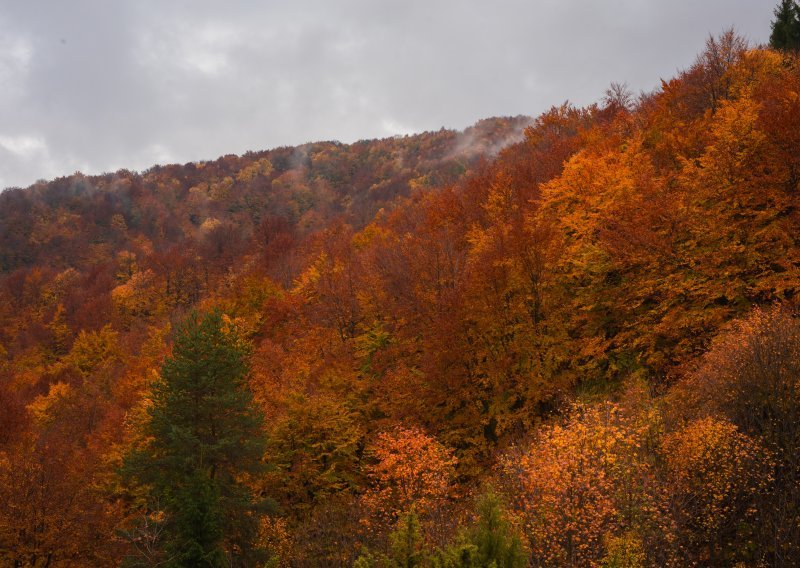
786	26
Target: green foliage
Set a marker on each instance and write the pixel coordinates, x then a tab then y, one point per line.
366	560
204	435
490	543
497	543
313	449
406	548
406	542
786	26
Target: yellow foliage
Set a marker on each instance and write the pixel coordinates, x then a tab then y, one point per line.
221	190
210	224
259	167
93	349
715	471
43	408
582	481
137	297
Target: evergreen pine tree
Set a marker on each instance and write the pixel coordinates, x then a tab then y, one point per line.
491	543
497	543
204	433
407	542
786	26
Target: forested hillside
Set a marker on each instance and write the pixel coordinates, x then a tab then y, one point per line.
566	341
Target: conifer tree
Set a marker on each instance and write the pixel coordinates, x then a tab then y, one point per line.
406	547
786	26
492	542
204	434
497	543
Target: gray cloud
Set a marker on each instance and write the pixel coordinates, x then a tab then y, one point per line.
95	86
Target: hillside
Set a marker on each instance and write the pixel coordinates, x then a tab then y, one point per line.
589	317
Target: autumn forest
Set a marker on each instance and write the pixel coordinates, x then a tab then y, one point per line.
571	340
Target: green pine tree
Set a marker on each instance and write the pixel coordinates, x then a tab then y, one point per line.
204	434
786	26
406	547
494	536
491	543
406	542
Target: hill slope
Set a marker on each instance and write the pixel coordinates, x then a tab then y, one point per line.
599	321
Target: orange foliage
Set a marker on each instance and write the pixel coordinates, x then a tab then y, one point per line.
411	469
582	483
466	282
715	474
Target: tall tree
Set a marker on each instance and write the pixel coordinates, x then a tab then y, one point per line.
786	26
203	436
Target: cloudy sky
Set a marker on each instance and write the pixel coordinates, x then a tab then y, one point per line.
98	85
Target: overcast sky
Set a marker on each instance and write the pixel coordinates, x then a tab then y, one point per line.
100	85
